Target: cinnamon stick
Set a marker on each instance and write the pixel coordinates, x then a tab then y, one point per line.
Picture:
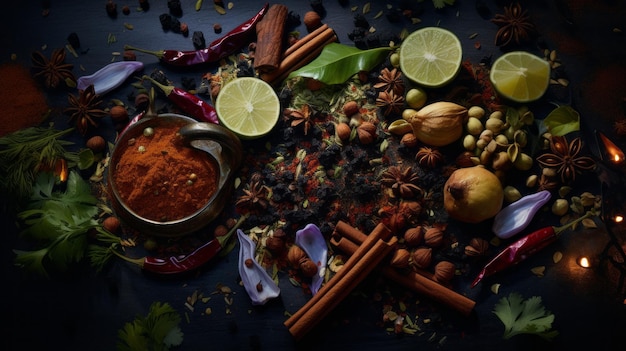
312	45
349	238
379	232
332	297
270	33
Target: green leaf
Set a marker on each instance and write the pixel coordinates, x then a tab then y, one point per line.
159	330
521	316
562	120
338	62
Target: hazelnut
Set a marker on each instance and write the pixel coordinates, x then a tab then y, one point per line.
142	101
433	237
409	140
295	255
111	224
414	236
274	244
308	268
400	258
312	21
477	247
96	143
343	131
350	108
118	114
366	132
422	257
444	272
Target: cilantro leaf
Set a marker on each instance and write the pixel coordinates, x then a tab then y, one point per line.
521	316
159	330
57	222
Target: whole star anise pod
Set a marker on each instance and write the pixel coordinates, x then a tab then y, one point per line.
255	196
515	25
429	157
390	102
85	109
565	158
304	116
401	181
53	71
390	80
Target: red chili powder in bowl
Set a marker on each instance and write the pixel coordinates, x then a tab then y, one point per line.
160	178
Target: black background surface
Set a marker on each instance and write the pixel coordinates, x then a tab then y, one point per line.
85	311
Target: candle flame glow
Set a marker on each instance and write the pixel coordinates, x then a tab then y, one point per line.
615	153
584	262
618	219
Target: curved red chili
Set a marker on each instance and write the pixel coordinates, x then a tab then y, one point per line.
523	248
188	102
217	50
179	264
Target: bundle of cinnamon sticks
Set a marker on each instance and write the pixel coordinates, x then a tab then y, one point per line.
370	253
348	238
305	50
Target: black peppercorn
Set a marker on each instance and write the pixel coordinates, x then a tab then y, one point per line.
166	21
73	40
175	8
144	5
197	38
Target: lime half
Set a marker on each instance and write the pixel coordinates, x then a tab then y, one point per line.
248	106
431	56
520	76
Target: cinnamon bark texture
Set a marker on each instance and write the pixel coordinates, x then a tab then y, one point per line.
270	34
361	263
348	240
301	53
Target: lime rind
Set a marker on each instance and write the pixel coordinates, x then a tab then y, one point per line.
431	56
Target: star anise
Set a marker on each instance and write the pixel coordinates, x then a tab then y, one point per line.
401	181
85	109
304	116
389	102
429	157
255	196
53	71
390	80
565	158
515	25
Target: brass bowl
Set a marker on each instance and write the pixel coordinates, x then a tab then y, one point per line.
218	142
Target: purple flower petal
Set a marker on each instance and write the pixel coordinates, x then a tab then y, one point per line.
255	274
109	77
517	215
311	240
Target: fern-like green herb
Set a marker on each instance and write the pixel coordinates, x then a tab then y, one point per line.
26	151
521	316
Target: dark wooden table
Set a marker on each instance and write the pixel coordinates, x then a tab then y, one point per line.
85	311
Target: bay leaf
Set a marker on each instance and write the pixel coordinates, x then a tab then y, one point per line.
338	62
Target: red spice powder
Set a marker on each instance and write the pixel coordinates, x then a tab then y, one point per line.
24	104
168	180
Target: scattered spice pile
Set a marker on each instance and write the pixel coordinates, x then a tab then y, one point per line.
28	105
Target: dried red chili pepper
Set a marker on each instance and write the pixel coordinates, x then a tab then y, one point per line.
216	51
188	102
185	263
523	248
